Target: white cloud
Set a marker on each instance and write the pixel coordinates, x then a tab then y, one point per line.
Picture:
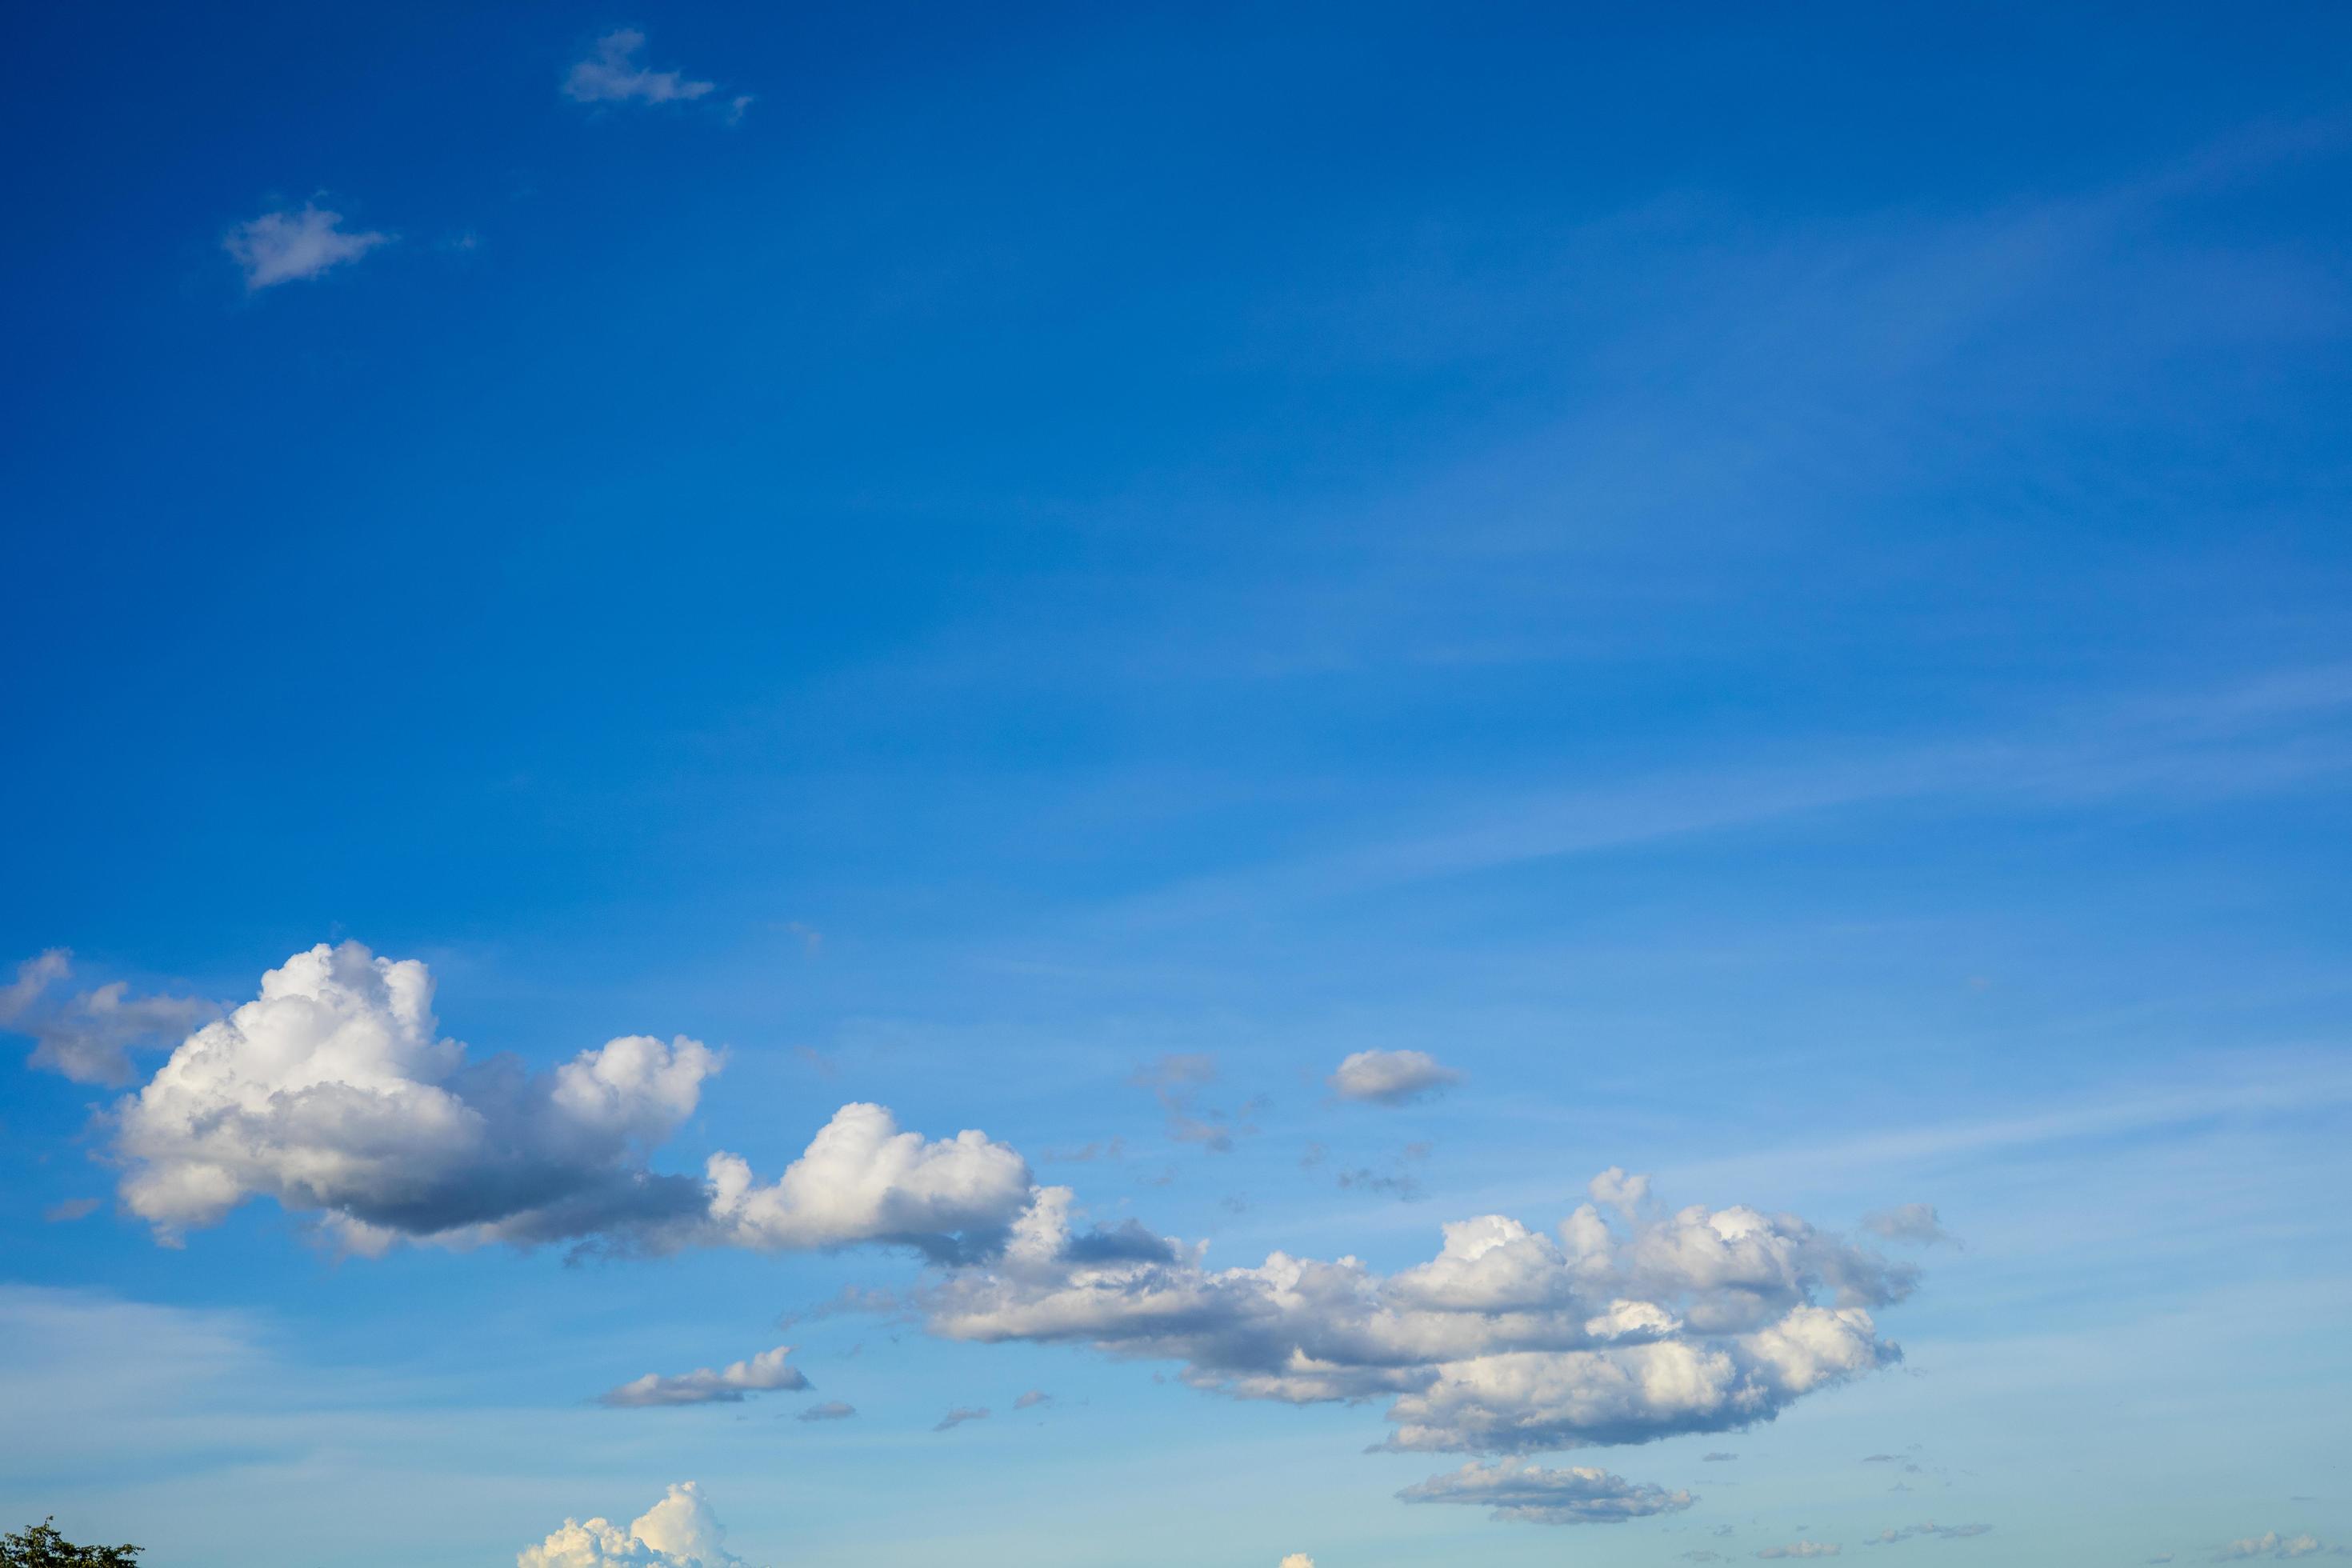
678	1531
1514	1488
2271	1544
831	1410
612	75
1800	1549
89	1037
332	1094
1298	1560
1033	1399
762	1374
288	245
959	1415
1915	1223
1390	1077
863	1179
1507	1341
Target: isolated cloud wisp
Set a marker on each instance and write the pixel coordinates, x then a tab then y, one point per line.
678	1531
1390	1077
1800	1549
761	1374
1516	1490
1915	1223
611	74
291	246
89	1037
1927	1532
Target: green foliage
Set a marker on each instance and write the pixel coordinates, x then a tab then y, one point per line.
43	1547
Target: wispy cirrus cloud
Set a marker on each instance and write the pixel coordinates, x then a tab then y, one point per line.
89	1037
297	244
610	73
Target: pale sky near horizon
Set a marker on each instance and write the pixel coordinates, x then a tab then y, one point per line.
1077	787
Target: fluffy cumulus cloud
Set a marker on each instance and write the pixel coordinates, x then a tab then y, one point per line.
611	74
89	1036
2282	1548
1392	1077
861	1179
1515	1488
762	1374
1627	1325
1298	1560
290	245
333	1093
679	1531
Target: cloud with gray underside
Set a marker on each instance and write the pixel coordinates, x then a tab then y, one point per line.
761	1374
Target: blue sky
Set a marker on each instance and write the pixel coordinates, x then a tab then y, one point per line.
1319	623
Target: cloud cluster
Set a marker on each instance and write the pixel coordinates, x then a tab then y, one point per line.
764	1372
1390	1077
291	245
332	1094
1629	1326
1514	1488
679	1531
2284	1548
89	1037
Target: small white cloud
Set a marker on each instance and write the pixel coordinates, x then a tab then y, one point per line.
1515	1488
831	1410
1801	1549
1915	1223
612	75
1033	1399
679	1531
960	1415
289	246
762	1374
1390	1077
1298	1560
